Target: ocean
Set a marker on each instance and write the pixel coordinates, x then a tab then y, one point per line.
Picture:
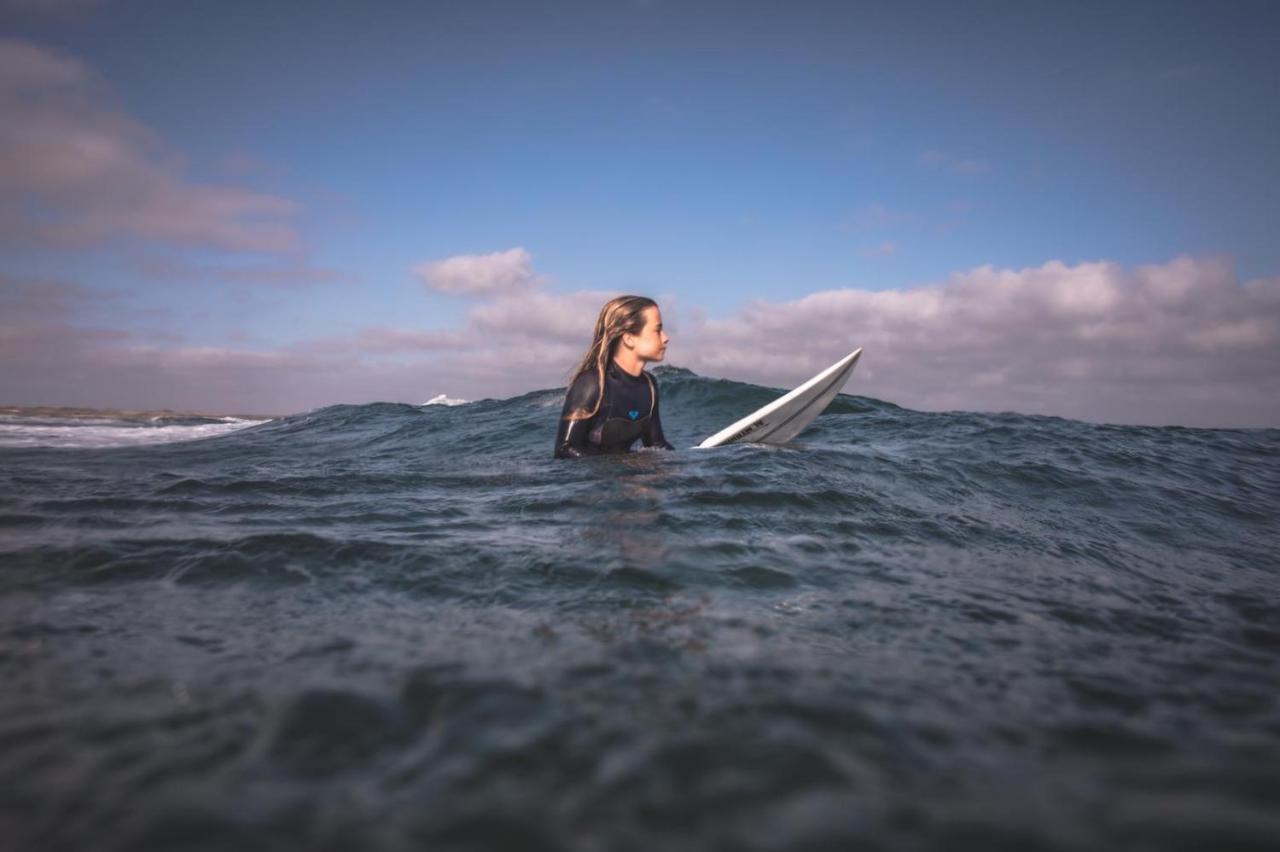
397	627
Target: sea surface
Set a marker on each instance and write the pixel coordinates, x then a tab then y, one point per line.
396	627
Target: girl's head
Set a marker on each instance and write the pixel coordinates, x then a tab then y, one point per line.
634	323
630	322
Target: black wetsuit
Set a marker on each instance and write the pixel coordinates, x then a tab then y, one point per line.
629	411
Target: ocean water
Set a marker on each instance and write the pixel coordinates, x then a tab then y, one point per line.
398	627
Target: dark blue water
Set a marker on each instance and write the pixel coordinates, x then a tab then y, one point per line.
389	627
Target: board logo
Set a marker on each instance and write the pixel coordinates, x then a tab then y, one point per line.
742	433
633	414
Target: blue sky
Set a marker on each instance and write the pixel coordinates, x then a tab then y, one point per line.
715	154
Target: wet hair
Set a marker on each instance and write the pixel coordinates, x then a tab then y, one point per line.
623	315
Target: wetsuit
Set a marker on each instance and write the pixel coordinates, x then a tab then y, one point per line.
629	411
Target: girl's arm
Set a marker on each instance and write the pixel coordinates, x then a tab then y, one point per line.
571	435
652	435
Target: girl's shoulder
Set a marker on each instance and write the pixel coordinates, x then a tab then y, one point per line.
584	390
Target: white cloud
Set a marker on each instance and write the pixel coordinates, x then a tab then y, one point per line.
77	171
509	271
540	315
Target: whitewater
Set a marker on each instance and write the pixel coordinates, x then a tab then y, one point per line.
400	627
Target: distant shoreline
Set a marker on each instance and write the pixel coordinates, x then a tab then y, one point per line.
79	413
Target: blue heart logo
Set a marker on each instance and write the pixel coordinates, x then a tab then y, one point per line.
633	414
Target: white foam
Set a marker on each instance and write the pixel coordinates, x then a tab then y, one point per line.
445	400
98	434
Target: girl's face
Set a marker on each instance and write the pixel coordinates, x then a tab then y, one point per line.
651	343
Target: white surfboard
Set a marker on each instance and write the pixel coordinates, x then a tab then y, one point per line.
788	415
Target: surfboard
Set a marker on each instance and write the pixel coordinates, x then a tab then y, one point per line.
788	415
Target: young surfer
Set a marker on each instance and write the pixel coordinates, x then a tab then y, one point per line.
612	401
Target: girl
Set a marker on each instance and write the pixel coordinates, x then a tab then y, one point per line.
611	399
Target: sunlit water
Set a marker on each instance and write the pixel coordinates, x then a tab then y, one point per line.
398	627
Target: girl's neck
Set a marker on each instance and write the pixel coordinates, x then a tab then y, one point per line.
628	362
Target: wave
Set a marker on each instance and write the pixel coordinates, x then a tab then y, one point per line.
108	432
444	399
445	430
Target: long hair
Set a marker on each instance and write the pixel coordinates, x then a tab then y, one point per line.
623	315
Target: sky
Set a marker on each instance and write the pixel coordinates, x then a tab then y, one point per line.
1068	209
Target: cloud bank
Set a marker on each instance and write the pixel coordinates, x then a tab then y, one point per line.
1183	342
75	171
